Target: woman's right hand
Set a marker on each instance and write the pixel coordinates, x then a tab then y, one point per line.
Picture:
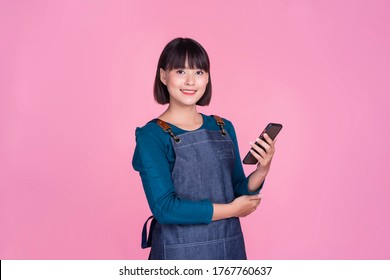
245	205
240	207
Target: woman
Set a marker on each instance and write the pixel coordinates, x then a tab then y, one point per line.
190	165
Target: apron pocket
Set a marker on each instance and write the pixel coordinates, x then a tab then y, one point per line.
225	153
228	248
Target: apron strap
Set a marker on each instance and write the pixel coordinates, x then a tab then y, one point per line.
147	240
221	124
167	128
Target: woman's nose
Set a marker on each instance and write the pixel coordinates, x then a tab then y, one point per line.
190	81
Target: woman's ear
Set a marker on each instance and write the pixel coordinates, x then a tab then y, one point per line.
163	77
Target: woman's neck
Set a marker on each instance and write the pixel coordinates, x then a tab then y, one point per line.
185	117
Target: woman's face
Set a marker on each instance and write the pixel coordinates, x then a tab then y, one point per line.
185	86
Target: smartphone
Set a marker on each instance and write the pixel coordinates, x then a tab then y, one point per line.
272	129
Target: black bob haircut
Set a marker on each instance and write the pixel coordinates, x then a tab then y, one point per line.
174	56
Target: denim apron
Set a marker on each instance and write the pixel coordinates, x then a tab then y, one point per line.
203	170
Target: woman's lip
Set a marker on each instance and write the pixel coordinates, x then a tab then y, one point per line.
188	91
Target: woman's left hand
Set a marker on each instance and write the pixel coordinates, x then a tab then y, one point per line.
265	156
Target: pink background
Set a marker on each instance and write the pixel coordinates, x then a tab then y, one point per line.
76	79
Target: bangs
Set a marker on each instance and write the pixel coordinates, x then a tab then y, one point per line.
187	49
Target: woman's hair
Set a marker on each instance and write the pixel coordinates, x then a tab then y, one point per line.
174	56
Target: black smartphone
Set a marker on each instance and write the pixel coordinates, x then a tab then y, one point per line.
272	129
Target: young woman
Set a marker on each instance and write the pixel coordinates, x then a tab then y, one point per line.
190	165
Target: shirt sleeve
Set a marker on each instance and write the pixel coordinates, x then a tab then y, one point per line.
152	163
240	181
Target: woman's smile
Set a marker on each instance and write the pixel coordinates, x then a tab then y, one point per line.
188	91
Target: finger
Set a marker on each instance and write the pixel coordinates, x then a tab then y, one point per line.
255	200
256	196
270	141
263	158
264	144
257	204
267	138
256	155
260	160
258	149
271	149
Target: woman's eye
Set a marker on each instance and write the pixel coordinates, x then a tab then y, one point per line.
179	71
200	72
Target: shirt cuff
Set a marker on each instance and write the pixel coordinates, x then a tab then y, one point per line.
256	192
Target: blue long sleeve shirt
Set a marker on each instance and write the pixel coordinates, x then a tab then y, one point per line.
154	158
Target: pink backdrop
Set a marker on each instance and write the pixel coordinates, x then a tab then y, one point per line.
76	79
